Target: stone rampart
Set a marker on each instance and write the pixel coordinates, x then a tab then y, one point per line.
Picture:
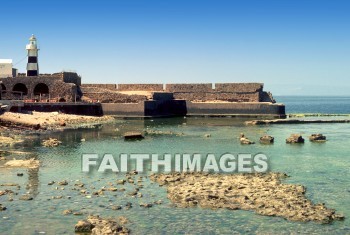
104	86
230	92
239	87
140	87
217	96
196	87
105	97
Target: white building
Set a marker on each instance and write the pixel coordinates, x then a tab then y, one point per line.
6	68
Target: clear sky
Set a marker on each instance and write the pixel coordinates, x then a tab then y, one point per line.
297	47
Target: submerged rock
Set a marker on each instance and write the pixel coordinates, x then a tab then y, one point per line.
31	163
267	139
26	197
317	138
67	212
51	142
295	138
99	226
116	208
83	226
121	181
5	192
262	193
2	208
245	140
63	182
146	205
133	136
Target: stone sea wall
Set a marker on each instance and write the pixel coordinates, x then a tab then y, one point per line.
200	92
140	87
103	86
112	97
215	96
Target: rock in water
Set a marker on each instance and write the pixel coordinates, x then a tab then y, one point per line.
2	208
133	136
317	138
99	226
295	138
264	193
26	197
31	163
63	182
267	139
246	141
83	226
51	142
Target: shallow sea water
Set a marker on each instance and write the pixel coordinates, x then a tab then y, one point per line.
323	168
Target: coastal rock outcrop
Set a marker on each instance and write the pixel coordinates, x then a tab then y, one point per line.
99	226
295	138
317	138
262	193
267	139
245	140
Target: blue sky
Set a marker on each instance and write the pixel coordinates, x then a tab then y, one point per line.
294	47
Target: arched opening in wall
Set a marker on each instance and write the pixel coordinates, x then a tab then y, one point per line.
3	87
41	89
20	89
62	100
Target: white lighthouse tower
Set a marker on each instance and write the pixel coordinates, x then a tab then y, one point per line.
32	65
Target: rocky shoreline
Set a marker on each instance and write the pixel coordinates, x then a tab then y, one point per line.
41	121
294	121
15	127
262	193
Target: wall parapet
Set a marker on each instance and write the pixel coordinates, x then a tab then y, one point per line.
140	87
188	87
230	92
239	87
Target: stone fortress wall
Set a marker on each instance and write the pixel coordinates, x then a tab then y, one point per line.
198	92
58	86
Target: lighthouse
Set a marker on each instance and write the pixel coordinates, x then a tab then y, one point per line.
32	65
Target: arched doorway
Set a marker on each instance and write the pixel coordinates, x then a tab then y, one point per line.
62	99
20	89
41	89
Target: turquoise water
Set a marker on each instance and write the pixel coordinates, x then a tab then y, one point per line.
323	168
316	104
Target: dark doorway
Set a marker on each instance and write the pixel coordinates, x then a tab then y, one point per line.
41	89
20	89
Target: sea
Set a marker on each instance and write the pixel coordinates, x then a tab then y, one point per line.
323	168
